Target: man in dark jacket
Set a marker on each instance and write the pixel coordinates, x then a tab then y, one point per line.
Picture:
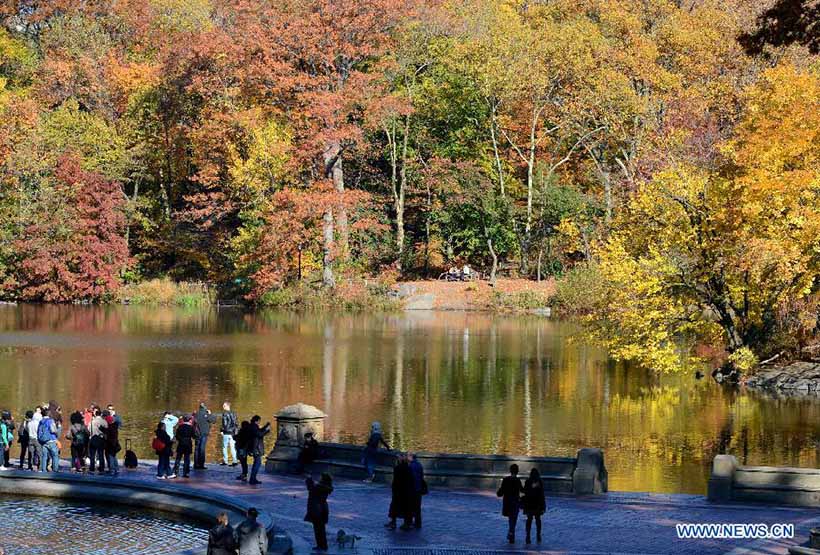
229	428
185	444
419	488
256	446
204	419
401	504
510	492
251	536
318	511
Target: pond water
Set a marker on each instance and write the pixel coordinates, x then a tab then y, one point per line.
444	381
43	526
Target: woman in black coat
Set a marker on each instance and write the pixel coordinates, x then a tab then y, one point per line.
534	503
510	492
317	510
221	538
164	454
404	494
185	435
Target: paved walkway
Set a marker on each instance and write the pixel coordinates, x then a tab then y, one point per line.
470	521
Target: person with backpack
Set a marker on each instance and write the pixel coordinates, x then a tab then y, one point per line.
6	437
79	436
204	419
47	434
242	439
96	443
162	447
371	450
185	435
229	429
112	443
34	447
23	439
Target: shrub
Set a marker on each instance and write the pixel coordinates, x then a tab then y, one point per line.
165	292
520	301
578	291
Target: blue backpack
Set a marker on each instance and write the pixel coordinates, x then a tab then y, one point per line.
44	434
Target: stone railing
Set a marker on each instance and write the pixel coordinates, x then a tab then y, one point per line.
730	481
584	474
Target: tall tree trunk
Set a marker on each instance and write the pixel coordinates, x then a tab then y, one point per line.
494	269
334	170
402	188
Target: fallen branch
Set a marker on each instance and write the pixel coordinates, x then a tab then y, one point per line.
772	359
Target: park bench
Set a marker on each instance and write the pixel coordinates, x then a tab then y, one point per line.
732	482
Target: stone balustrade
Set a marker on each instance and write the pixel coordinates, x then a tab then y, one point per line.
584	474
731	482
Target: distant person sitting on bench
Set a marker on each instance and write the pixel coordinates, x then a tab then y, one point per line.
309	452
466	273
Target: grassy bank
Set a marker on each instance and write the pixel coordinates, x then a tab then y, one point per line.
165	292
351	296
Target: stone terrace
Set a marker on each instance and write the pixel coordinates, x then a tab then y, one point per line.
470	521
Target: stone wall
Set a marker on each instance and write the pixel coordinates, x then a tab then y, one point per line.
731	482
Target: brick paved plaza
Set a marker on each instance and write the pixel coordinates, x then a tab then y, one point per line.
470	521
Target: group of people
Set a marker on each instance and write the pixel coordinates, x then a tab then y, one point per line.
248	538
92	435
189	435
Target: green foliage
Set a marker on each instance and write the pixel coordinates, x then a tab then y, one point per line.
520	301
579	291
349	296
164	292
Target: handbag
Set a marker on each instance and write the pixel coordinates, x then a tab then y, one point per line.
157	444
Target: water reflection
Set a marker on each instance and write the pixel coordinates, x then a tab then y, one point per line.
437	381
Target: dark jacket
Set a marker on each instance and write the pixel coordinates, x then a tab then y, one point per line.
418	477
533	502
404	493
204	421
112	438
222	540
510	490
79	435
252	538
229	424
256	439
163	436
185	438
317	509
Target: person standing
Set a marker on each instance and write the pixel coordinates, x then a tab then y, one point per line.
79	437
170	422
96	443
252	536
23	438
185	445
401	503
534	504
308	453
257	445
163	453
117	418
34	447
510	492
47	434
221	538
371	450
228	429
243	441
318	511
419	488
204	419
112	443
6	437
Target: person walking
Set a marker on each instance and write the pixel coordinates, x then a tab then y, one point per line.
78	436
96	443
419	488
204	419
23	438
252	539
47	434
229	428
222	537
7	427
401	503
185	445
318	511
162	446
510	492
534	504
371	450
112	443
34	447
243	441
256	447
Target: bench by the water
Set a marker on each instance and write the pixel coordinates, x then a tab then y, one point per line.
584	474
731	481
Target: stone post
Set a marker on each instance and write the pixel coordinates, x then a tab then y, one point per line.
590	476
720	481
292	423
